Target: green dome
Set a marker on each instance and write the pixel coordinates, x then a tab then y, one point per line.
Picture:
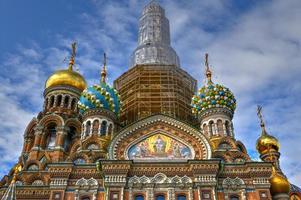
213	96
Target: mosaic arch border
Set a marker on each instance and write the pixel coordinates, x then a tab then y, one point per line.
157	132
165	119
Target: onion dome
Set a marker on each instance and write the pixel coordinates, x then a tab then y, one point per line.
100	96
279	183
67	77
265	143
212	95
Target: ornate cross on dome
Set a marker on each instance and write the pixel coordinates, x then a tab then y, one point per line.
259	114
104	70
72	58
208	72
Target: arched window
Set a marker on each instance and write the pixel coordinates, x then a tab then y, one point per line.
139	197
160	197
79	161
224	145
33	167
85	198
181	197
103	128
51	101
110	130
59	100
66	101
88	128
73	104
227	128
210	128
51	136
95	126
220	127
234	197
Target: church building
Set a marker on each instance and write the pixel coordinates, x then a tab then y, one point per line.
153	135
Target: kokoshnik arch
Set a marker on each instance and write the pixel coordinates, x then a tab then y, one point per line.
153	136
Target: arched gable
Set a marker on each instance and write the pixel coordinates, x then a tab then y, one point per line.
159	124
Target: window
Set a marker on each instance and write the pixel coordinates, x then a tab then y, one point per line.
59	100
263	195
210	128
66	101
88	128
110	129
33	167
103	129
234	197
114	196
86	198
181	197
79	161
139	197
224	145
73	104
95	127
220	127
206	195
160	197
51	136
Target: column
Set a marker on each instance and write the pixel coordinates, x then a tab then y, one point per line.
61	132
190	195
224	128
38	131
215	130
130	193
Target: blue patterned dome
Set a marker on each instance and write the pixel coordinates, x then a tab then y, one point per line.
100	96
212	95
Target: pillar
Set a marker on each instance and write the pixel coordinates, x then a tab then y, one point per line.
38	131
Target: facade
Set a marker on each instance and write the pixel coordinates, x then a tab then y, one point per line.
153	136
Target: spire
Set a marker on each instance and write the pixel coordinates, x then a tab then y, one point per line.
154	39
208	72
262	124
104	69
72	58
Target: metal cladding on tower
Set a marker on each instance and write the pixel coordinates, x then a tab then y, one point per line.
154	39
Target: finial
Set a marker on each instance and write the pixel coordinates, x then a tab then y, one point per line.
72	58
259	114
104	70
208	71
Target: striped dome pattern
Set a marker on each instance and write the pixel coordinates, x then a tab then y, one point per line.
100	96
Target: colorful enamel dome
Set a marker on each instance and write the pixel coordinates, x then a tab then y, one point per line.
212	96
99	96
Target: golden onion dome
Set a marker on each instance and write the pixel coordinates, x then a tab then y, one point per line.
266	143
66	77
279	183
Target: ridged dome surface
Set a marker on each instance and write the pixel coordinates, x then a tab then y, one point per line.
213	96
100	96
66	77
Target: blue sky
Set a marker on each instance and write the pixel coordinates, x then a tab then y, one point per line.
254	48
